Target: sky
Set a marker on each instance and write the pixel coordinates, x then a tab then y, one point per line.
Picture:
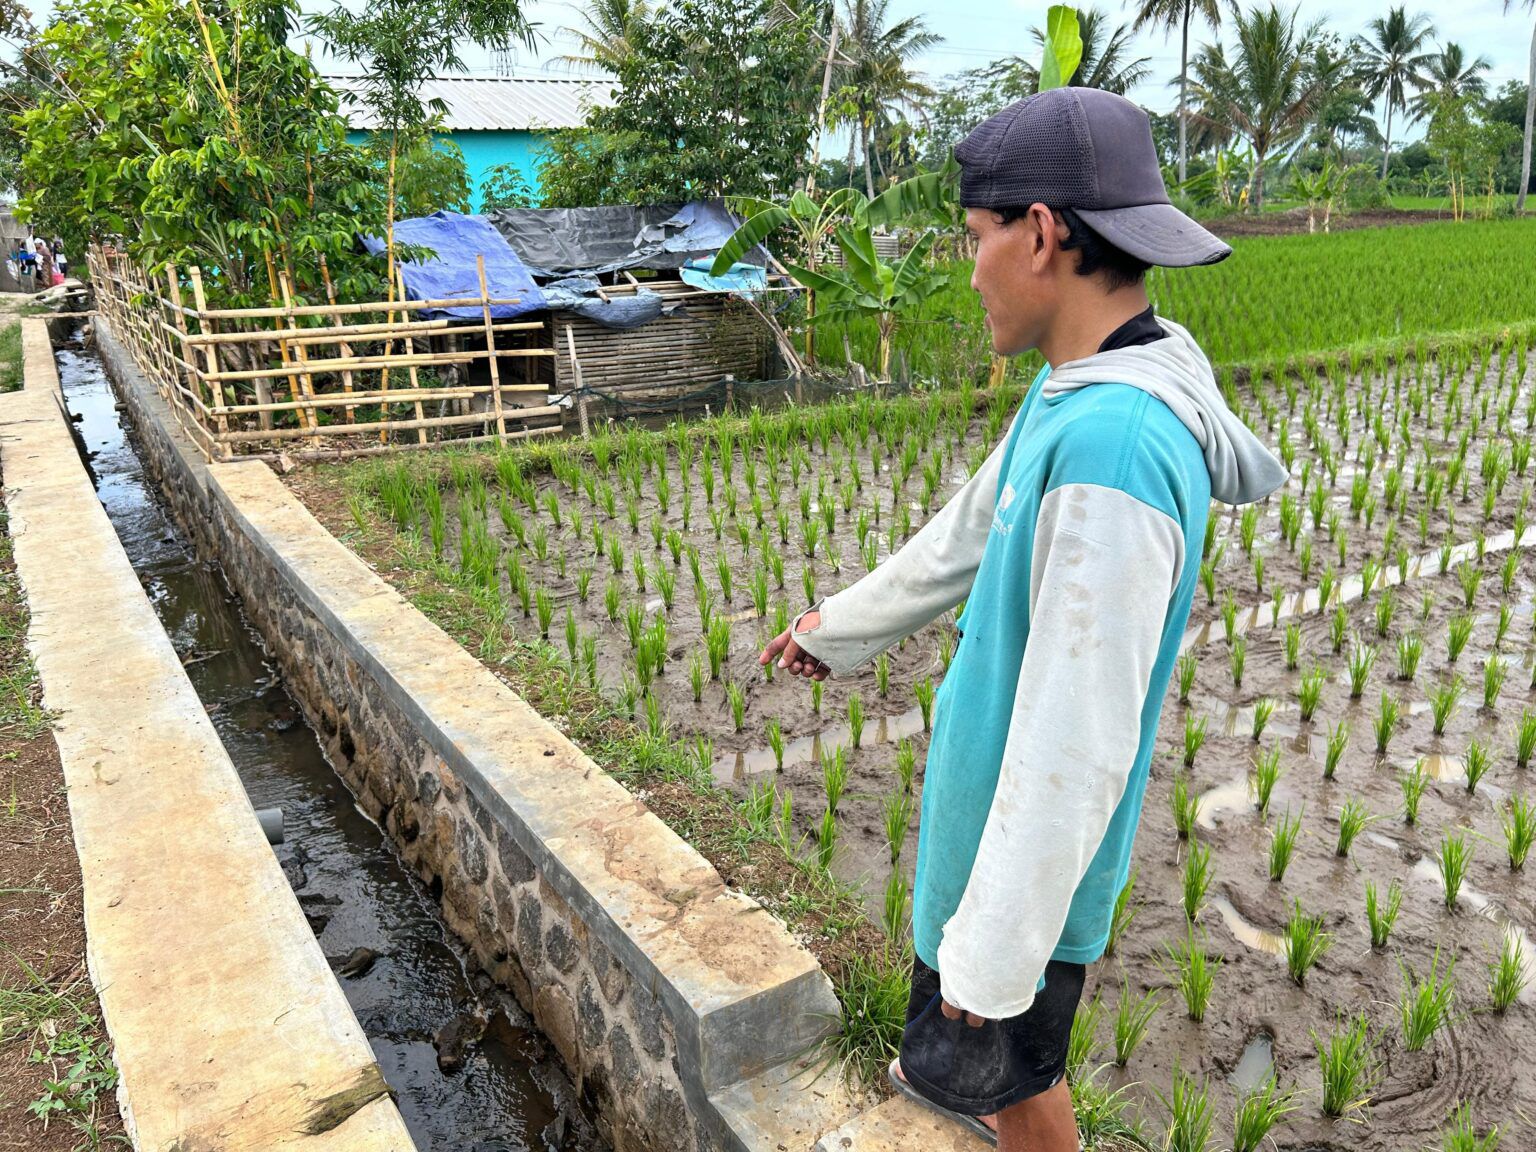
977	31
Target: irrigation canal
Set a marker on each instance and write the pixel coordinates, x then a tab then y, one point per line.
470	1070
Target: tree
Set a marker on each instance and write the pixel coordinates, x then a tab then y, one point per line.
505	186
1168	14
1468	145
879	82
715	97
1530	110
1343	108
1106	61
1392	61
611	30
1449	76
1266	92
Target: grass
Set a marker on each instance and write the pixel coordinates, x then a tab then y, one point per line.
1425	1005
1190	1114
873	993
1083	1040
10	355
1460	1135
1348	1065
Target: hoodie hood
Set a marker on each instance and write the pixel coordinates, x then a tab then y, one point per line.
1175	370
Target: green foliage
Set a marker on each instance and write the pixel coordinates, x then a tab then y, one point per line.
1349	1066
713	97
504	186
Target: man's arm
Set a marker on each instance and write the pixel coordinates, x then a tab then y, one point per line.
1106	565
930	574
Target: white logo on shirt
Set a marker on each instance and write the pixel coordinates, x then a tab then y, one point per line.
1004	498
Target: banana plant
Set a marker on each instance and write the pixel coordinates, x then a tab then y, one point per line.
867	285
810	222
1322	189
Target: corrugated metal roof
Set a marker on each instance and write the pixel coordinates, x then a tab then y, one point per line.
482	103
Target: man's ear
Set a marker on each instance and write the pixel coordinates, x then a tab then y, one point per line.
1044	239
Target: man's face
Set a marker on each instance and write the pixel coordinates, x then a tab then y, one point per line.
1012	275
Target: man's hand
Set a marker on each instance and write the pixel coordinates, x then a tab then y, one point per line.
785	648
953	1013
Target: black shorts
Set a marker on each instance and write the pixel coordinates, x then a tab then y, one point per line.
979	1071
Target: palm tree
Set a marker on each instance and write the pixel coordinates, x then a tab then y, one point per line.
1343	108
1106	61
1169	14
1266	92
609	36
1530	111
1392	60
880	80
1449	76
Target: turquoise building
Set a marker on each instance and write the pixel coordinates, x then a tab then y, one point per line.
496	119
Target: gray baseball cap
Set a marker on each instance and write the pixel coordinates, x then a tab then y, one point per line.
1091	151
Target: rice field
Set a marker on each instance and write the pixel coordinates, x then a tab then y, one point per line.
1327	923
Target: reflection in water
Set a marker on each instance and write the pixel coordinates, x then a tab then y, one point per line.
737	767
1484	905
354	889
1245	933
1256	1064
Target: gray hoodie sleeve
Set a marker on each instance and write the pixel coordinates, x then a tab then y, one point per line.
931	573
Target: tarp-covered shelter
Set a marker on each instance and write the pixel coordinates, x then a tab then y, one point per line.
626	295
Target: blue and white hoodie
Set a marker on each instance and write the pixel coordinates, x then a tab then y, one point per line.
1076	547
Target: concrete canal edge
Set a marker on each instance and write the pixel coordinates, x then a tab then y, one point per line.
682	1008
229	1029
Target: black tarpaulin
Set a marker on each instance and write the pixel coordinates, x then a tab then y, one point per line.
554	242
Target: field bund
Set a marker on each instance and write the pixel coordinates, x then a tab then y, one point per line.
230	1030
679	1005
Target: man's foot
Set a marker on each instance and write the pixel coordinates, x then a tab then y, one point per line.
989	1121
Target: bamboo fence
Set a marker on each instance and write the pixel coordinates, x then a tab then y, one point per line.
328	379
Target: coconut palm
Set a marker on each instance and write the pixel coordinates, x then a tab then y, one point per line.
1266	91
1530	108
1449	76
1392	61
880	80
1106	62
1171	14
608	38
1343	108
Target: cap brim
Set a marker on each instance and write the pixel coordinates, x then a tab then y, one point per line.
1157	233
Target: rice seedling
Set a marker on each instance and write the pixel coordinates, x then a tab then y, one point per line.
1458	633
893	913
1413	785
1388	716
1442	702
1495	671
906	765
924	691
1133	1016
1461	1135
1238	657
1338	741
1266	772
1257	1114
808	583
1126	907
1469	576
1327	583
1507	975
696	677
1229	615
1454	861
1194	737
1370	576
1083	1037
1410	649
1185	667
1507	573
1518	819
1476	764
1197	878
717	644
834	775
1425	1005
1386	609
737	701
856	718
1338	625
1263	709
1185	806
1282	845
1349	1067
1352	821
1190	1114
1310	692
544	605
816	692
1382	917
1362	658
826	840
883	675
1194	973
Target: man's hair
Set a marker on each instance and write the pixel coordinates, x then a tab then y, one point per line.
1095	255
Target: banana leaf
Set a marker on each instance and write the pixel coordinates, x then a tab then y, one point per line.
1063	47
753	232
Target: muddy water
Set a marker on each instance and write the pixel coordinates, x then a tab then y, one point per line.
406	981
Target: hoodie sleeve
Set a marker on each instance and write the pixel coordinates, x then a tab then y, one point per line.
927	577
1105	566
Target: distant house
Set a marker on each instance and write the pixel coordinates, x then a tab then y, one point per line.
494	119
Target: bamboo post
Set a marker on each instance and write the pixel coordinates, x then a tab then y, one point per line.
581	399
173	287
345	348
210	352
490	348
410	351
301	353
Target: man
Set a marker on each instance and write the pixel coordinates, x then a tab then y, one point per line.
1076	547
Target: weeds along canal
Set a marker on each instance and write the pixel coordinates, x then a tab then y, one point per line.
470	1070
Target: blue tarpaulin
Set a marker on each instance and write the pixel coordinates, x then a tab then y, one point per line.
742	279
451	273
